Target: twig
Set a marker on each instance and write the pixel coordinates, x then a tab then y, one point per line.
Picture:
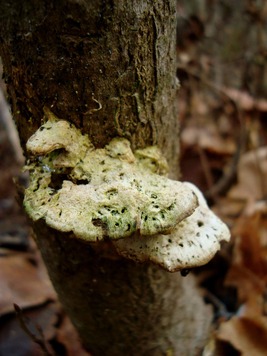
221	308
38	340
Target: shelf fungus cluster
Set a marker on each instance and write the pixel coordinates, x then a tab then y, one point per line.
118	195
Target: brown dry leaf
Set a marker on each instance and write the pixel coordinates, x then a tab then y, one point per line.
208	138
228	209
245	101
247	331
199	105
252	176
248	272
68	336
22	283
250	244
246	335
245	281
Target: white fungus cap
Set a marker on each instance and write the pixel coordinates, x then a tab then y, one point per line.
193	242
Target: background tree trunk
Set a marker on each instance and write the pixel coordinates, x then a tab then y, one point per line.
109	68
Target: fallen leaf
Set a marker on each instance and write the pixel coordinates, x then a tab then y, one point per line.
252	176
15	341
249	246
245	281
22	283
247	331
208	138
68	336
246	101
248	272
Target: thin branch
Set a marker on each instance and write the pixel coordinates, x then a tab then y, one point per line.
40	340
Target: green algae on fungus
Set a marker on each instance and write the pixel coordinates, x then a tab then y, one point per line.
101	193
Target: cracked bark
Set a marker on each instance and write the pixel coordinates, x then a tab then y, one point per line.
109	68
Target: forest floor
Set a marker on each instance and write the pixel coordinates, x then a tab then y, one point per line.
223	115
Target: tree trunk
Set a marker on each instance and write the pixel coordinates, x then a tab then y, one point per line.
109	68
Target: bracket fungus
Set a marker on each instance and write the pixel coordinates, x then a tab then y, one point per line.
118	195
193	241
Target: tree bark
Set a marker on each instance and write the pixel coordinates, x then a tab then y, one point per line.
109	68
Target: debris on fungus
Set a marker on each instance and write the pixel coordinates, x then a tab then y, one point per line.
117	194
